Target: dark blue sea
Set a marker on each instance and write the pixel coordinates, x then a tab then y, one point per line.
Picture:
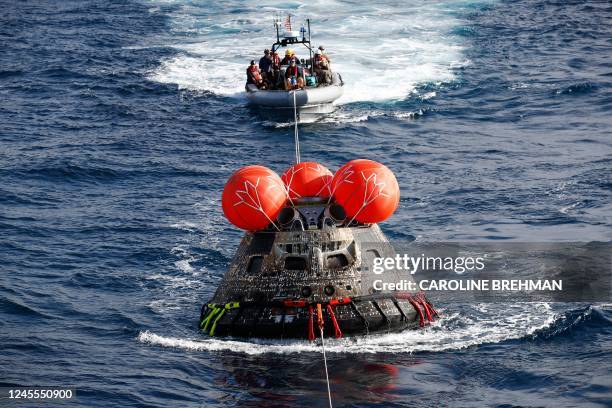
120	122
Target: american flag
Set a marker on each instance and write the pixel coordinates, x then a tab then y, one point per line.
288	22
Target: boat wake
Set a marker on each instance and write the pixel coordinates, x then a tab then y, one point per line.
350	116
383	53
458	329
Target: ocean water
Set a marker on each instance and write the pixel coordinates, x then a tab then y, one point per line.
121	121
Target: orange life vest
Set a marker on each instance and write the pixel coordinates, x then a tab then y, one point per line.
320	58
255	73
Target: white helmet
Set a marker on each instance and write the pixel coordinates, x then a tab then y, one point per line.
317	52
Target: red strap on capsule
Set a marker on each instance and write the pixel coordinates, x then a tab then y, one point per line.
319	316
294	303
402	295
311	334
426	308
340	301
433	311
418	309
332	316
427	305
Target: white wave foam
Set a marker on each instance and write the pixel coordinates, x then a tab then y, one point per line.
456	331
186	226
173	282
428	95
185	266
356	116
163	306
383	53
568	208
201	74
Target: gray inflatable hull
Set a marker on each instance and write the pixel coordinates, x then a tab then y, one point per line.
311	102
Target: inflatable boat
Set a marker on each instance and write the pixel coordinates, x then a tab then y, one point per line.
315	98
311	102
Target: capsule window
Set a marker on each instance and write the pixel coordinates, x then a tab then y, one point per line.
337	212
329	290
295	263
373	253
255	264
337	261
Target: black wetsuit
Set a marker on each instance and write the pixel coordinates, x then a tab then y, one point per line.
265	65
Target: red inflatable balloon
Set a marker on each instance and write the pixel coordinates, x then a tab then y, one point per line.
308	179
252	198
367	190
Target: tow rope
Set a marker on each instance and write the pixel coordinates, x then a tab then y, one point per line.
296	136
320	323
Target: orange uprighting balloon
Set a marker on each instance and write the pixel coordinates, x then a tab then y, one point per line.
367	190
252	197
308	179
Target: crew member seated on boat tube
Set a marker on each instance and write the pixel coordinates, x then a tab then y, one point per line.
254	76
323	54
294	77
322	68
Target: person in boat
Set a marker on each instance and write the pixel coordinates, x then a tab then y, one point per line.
276	76
290	56
294	78
254	76
276	60
321	68
266	67
323	55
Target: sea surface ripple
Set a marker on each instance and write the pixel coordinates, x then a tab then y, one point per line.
120	121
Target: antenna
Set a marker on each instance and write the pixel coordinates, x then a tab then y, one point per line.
276	25
310	46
